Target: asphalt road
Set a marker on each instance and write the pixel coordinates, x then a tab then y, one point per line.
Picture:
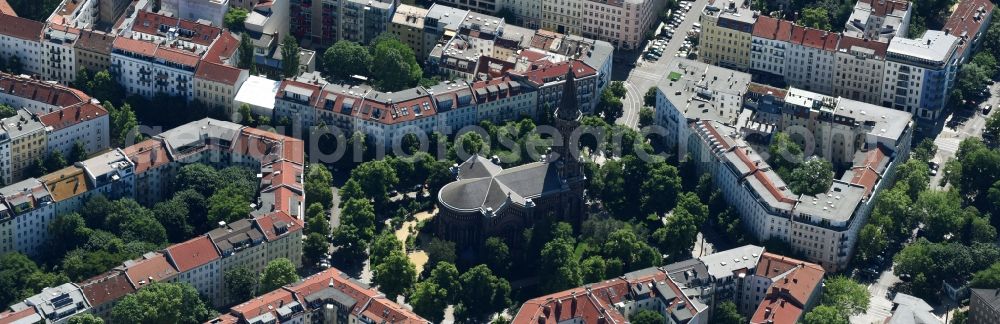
647	73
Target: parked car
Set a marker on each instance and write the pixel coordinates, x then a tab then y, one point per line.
987	109
933	167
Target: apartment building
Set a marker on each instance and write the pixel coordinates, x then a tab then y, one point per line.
93	50
727	34
919	73
707	102
84	123
408	25
769	44
879	20
59	53
766	287
28	142
19	44
984	307
258	93
546	80
324	22
810	59
212	11
329	296
622	23
562	16
440	24
969	22
526	13
501	100
31	205
104	290
480	6
52	305
216	85
859	69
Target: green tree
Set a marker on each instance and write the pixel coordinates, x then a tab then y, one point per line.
317	186
925	151
660	188
85	318
289	57
646	117
846	295
593	269
241	284
376	178
133	222
785	154
78	152
234	18
676	239
36	168
394	66
21	278
384	245
395	275
626	246
228	204
726	313
314	247
618	89
103	87
198	176
559	268
941	212
649	99
357	227
824	314
161	303
497	255
991	132
446	276
988	278
482	294
277	273
245	52
871	242
812	178
429	301
172	214
67	232
316	220
816	17
645	316
346	58
439	250
7	111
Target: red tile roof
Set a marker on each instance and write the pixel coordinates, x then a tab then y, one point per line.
223	48
44	92
815	38
968	20
593	303
106	287
867	174
95	41
883	7
218	73
285	173
788	295
177	56
148	154
370	302
763	89
772	28
6	9
193	253
149	23
22	28
846	42
270	223
12	317
136	46
267	303
153	269
73	115
541	75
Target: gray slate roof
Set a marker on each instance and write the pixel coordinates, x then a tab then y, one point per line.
484	185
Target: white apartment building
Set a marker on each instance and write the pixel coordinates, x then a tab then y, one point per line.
146	70
879	20
810	59
621	23
771	37
19	41
33	210
213	11
27	137
501	100
59	54
86	123
562	16
919	73
198	264
527	13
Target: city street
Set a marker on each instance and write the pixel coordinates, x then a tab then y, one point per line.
646	74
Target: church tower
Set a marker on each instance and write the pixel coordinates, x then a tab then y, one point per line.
567	120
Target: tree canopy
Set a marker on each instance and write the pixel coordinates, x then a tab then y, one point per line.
346	58
162	303
394	65
277	273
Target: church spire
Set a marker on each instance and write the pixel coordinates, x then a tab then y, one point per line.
569	108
